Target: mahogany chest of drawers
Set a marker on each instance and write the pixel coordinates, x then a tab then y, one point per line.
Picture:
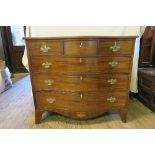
80	77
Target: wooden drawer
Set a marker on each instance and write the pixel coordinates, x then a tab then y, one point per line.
147	78
48	64
80	47
146	82
80	101
80	76
79	82
116	47
45	47
147	97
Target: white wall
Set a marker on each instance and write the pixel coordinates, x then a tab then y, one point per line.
49	31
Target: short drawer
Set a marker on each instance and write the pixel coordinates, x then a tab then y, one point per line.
81	82
45	47
80	47
48	64
86	101
116	47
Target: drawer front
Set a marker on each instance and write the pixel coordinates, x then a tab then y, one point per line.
45	47
145	95
80	101
49	64
79	82
80	47
116	47
147	81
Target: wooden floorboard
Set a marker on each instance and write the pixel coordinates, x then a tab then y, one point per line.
16	104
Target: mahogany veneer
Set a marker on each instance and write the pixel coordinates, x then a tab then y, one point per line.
80	77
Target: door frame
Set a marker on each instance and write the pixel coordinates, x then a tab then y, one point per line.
9	50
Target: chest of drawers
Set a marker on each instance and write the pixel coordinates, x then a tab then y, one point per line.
80	77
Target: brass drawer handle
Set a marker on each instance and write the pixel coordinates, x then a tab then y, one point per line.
115	47
46	64
50	100
113	63
111	99
112	81
49	82
81	114
44	48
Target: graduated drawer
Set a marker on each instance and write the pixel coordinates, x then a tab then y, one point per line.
80	101
49	64
116	47
45	47
79	82
80	47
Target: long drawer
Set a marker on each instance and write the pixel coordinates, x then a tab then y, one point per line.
81	82
49	64
80	101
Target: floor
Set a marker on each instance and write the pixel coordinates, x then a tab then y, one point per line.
17	111
18	76
16	103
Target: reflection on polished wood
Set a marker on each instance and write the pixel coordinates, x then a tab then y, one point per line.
91	75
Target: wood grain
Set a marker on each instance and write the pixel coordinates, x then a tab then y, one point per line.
17	112
146	87
79	37
80	47
126	47
55	47
80	82
92	102
75	75
76	65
